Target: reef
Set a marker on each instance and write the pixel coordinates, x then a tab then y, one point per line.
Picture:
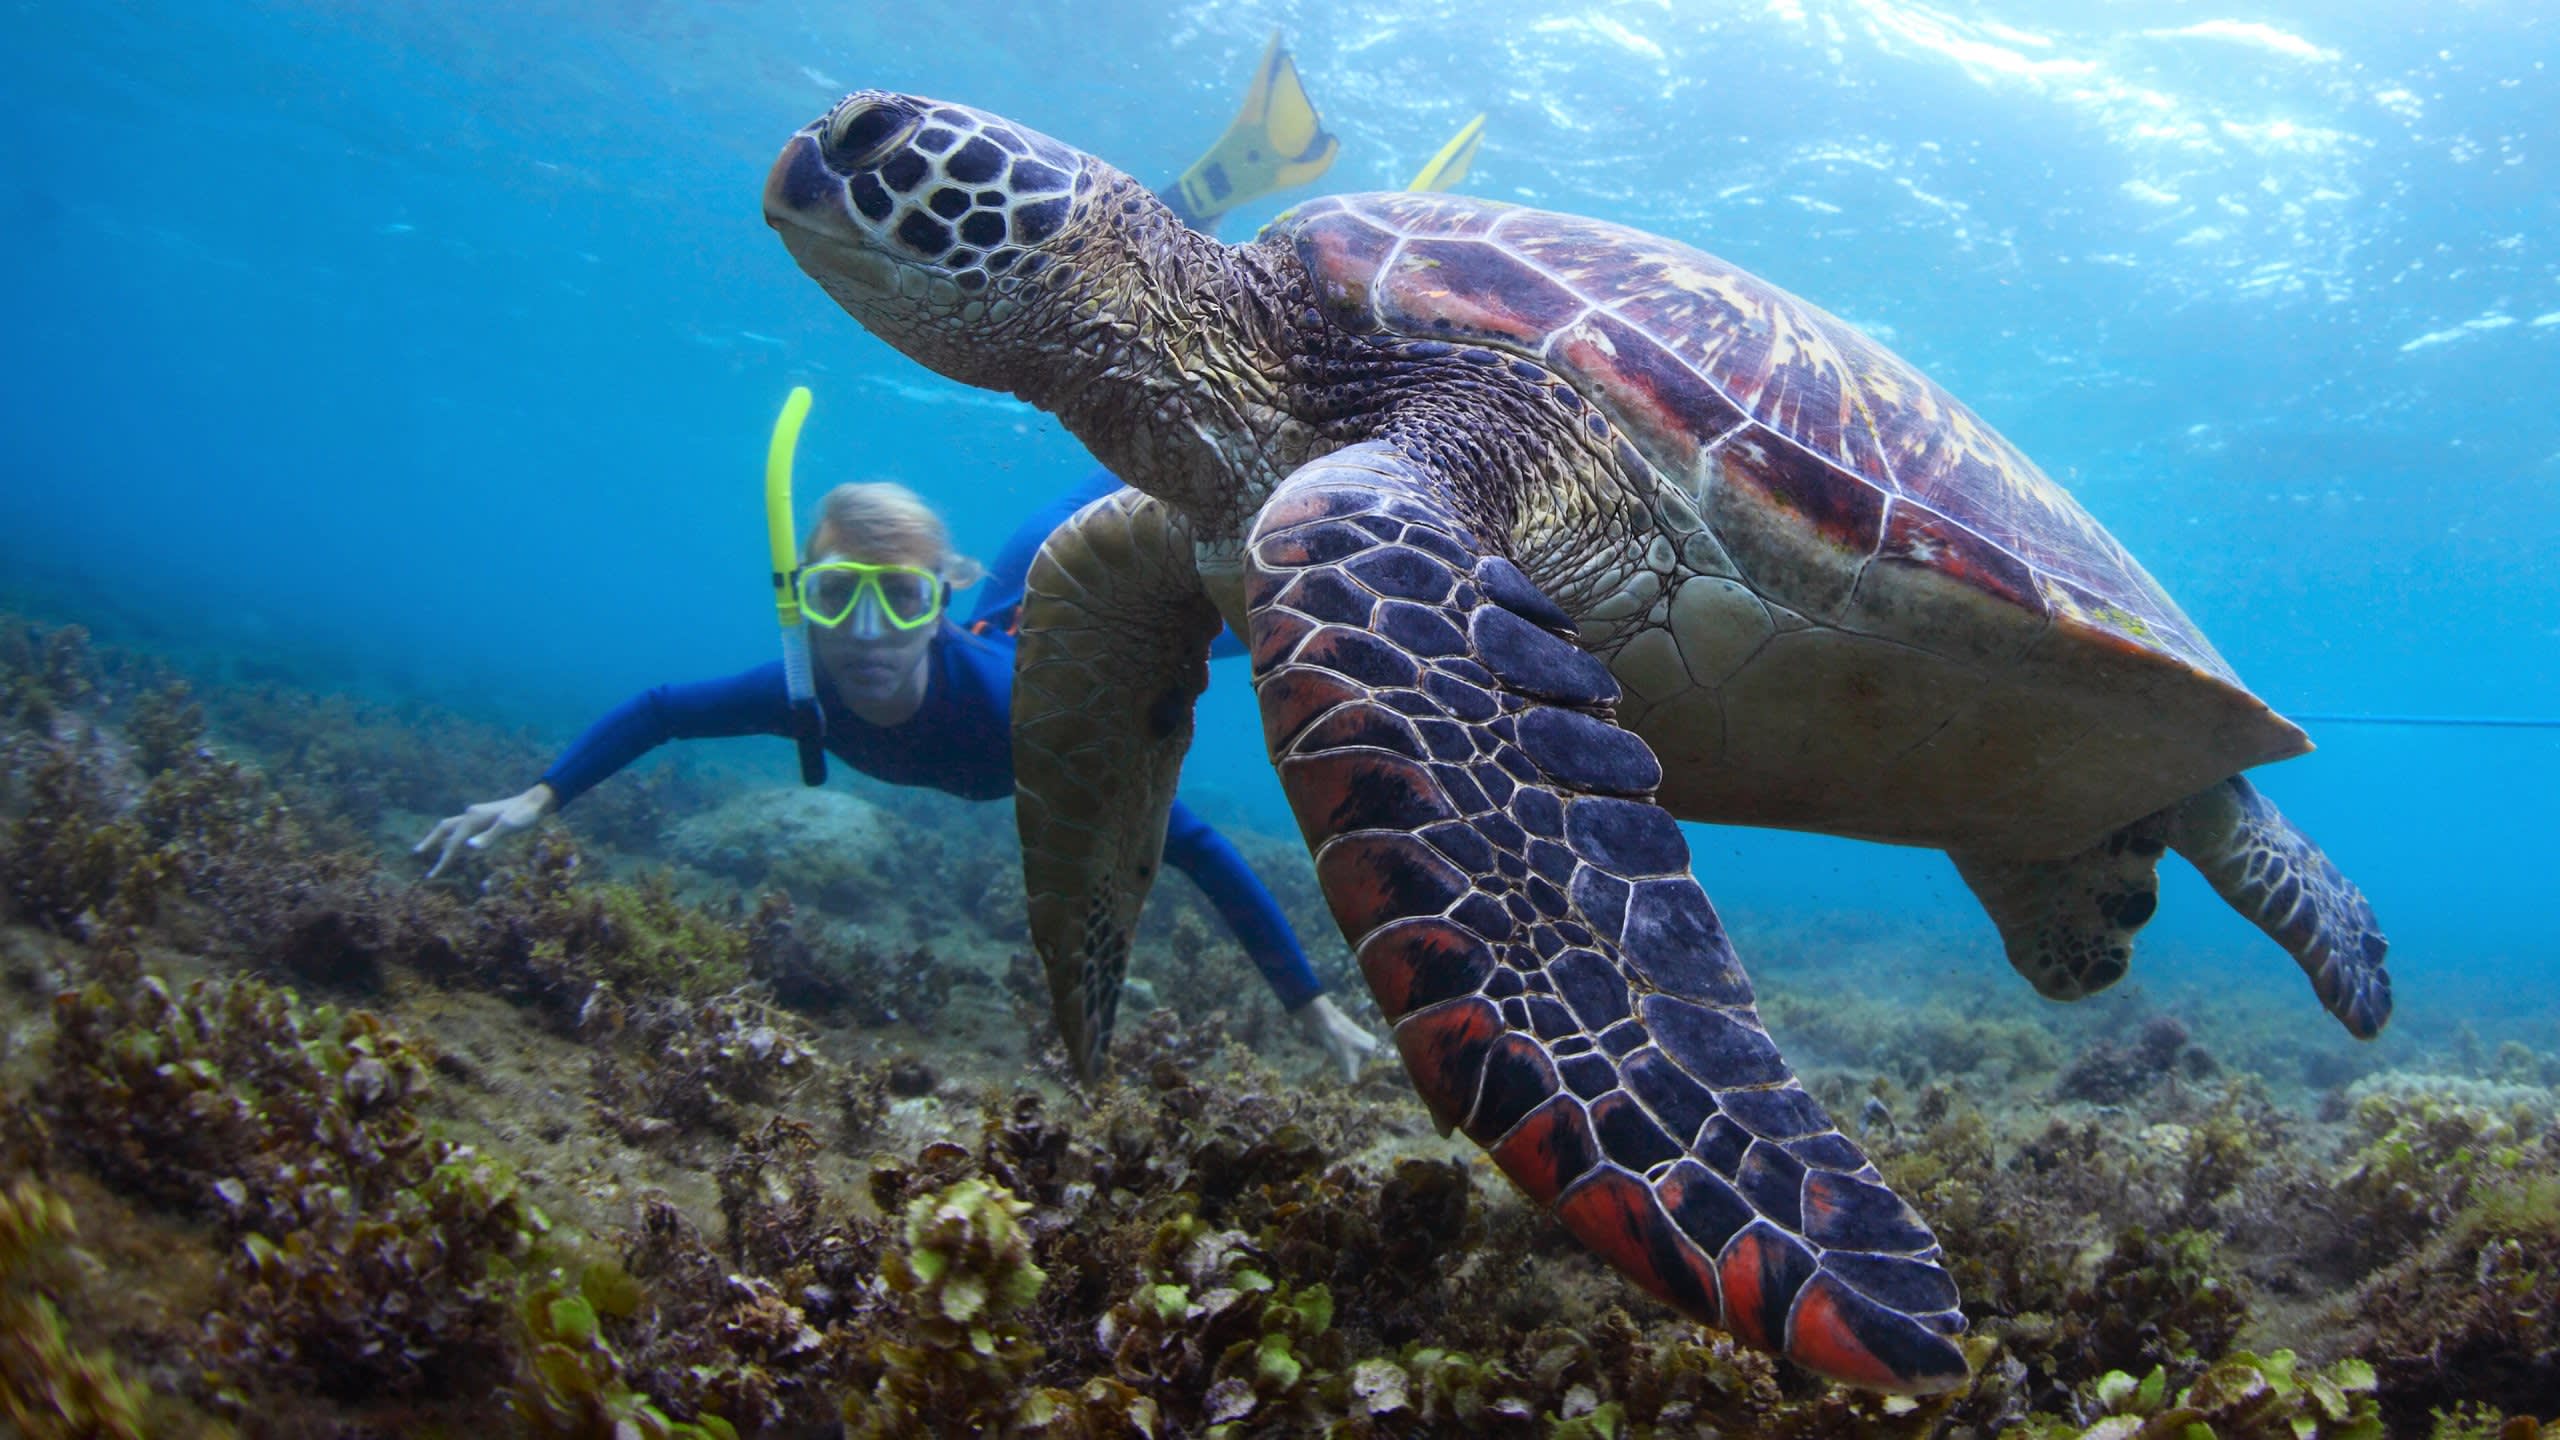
2110	1074
2460	1205
693	1067
367	1258
820	970
714	1111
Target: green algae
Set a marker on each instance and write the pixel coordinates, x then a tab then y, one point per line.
956	1363
570	1383
639	938
71	860
50	1388
2242	1397
2466	1317
368	1257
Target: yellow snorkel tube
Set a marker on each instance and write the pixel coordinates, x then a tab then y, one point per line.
808	727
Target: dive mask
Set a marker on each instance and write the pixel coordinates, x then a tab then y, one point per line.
909	596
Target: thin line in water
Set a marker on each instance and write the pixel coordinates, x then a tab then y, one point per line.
2467	722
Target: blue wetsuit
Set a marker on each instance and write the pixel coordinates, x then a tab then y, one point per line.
960	741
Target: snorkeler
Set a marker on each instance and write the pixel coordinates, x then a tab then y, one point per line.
909	697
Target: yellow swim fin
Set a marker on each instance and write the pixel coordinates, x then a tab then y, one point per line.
1448	169
1277	141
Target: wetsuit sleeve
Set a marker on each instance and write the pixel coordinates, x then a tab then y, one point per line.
752	702
1000	594
1244	902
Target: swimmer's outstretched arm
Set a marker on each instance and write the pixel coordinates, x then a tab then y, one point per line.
751	702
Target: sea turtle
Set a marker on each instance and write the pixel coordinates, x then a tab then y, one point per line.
1543	532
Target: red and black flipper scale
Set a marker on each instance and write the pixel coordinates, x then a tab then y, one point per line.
1559	985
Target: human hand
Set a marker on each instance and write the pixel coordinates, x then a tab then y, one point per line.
1342	1037
482	823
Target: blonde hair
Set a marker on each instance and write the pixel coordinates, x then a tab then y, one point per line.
881	523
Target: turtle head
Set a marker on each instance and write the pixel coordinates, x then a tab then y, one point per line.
928	222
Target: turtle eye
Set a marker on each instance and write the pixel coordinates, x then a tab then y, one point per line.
861	134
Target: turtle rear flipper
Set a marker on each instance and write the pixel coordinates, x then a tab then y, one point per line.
1559	985
1114	651
2069	924
2273	874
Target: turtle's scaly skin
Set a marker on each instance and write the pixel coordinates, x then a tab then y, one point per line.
1482	486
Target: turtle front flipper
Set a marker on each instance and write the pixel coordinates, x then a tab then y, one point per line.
1114	651
1525	915
2273	874
2069	924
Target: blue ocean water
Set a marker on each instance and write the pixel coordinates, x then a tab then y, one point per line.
435	343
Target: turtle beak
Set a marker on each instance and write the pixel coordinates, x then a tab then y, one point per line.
805	201
800	190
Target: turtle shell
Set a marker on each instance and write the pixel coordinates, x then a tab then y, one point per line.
1689	352
1831	471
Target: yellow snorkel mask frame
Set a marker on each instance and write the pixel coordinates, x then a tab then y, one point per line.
869	579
